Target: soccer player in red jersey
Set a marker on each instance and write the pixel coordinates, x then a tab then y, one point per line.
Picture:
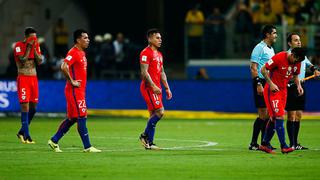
27	55
152	72
74	68
277	72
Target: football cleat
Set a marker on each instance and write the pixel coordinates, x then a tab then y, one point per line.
153	147
21	138
266	149
144	141
299	147
92	150
28	140
254	147
54	146
286	150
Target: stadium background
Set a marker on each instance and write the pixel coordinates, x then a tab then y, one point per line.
226	88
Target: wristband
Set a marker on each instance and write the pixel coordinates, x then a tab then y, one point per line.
257	80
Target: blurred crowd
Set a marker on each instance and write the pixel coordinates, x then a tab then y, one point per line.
206	33
114	56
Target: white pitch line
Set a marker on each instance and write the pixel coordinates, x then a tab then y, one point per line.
205	143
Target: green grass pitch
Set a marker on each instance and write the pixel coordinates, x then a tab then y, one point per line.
190	151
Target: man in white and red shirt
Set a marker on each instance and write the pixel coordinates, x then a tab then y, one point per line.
277	72
152	72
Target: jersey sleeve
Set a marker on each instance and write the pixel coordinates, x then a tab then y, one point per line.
144	57
256	54
273	62
70	58
18	49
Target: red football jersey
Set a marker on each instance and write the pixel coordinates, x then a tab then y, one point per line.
20	49
155	61
280	71
77	62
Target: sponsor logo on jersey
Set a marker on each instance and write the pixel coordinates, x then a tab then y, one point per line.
270	62
18	49
69	58
144	59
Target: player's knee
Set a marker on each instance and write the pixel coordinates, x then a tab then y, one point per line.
298	117
291	117
160	113
279	118
25	107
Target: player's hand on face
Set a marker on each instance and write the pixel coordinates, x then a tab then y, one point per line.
31	40
156	89
169	94
76	83
274	88
260	90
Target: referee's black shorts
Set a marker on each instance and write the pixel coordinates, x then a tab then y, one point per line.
258	100
294	101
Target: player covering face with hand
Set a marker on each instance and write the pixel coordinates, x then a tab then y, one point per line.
27	55
152	74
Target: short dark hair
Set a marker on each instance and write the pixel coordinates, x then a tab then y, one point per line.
299	53
77	34
152	31
29	30
289	37
267	29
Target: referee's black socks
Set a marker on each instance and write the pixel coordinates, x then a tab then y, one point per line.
257	126
291	132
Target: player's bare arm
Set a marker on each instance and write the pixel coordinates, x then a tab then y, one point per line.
165	83
265	73
37	56
298	83
145	75
65	71
254	74
254	69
